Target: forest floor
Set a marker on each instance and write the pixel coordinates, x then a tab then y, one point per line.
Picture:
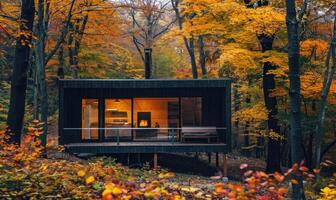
25	173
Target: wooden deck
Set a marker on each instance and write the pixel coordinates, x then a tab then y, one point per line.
144	147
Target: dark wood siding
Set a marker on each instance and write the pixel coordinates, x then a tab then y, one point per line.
72	115
216	103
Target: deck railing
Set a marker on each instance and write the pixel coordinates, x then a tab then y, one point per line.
171	135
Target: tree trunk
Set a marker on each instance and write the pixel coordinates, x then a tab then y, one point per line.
191	51
189	43
41	58
327	81
74	72
202	55
19	75
236	108
34	77
246	132
294	94
44	106
273	149
61	63
36	95
309	150
40	66
246	151
79	32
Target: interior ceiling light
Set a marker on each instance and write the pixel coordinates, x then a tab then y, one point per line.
111	109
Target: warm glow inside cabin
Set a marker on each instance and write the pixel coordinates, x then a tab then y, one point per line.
157	115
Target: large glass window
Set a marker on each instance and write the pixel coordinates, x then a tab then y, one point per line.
89	119
118	119
191	111
155	118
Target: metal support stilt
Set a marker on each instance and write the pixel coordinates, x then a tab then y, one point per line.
155	161
224	165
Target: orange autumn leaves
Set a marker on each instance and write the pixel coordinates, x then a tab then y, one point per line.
89	180
131	190
30	148
314	51
274	186
102	178
150	190
256	185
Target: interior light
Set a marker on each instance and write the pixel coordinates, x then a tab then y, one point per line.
111	109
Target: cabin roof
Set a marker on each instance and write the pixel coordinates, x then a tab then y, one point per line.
145	83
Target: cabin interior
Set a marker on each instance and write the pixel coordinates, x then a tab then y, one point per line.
147	119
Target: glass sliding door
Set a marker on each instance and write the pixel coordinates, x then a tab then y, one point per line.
194	122
152	119
118	118
155	118
90	119
191	111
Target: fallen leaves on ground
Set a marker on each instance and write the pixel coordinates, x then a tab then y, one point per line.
25	174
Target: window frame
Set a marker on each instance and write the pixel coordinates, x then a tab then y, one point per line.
101	116
98	127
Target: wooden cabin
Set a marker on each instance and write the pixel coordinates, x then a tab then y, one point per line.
145	116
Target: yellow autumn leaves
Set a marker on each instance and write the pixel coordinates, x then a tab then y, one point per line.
328	193
81	173
163	175
114	189
111	190
216	17
151	190
89	180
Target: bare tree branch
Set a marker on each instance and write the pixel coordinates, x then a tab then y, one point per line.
138	48
164	29
147	17
63	34
303	10
8	17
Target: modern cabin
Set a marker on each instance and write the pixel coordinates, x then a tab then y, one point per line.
145	116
